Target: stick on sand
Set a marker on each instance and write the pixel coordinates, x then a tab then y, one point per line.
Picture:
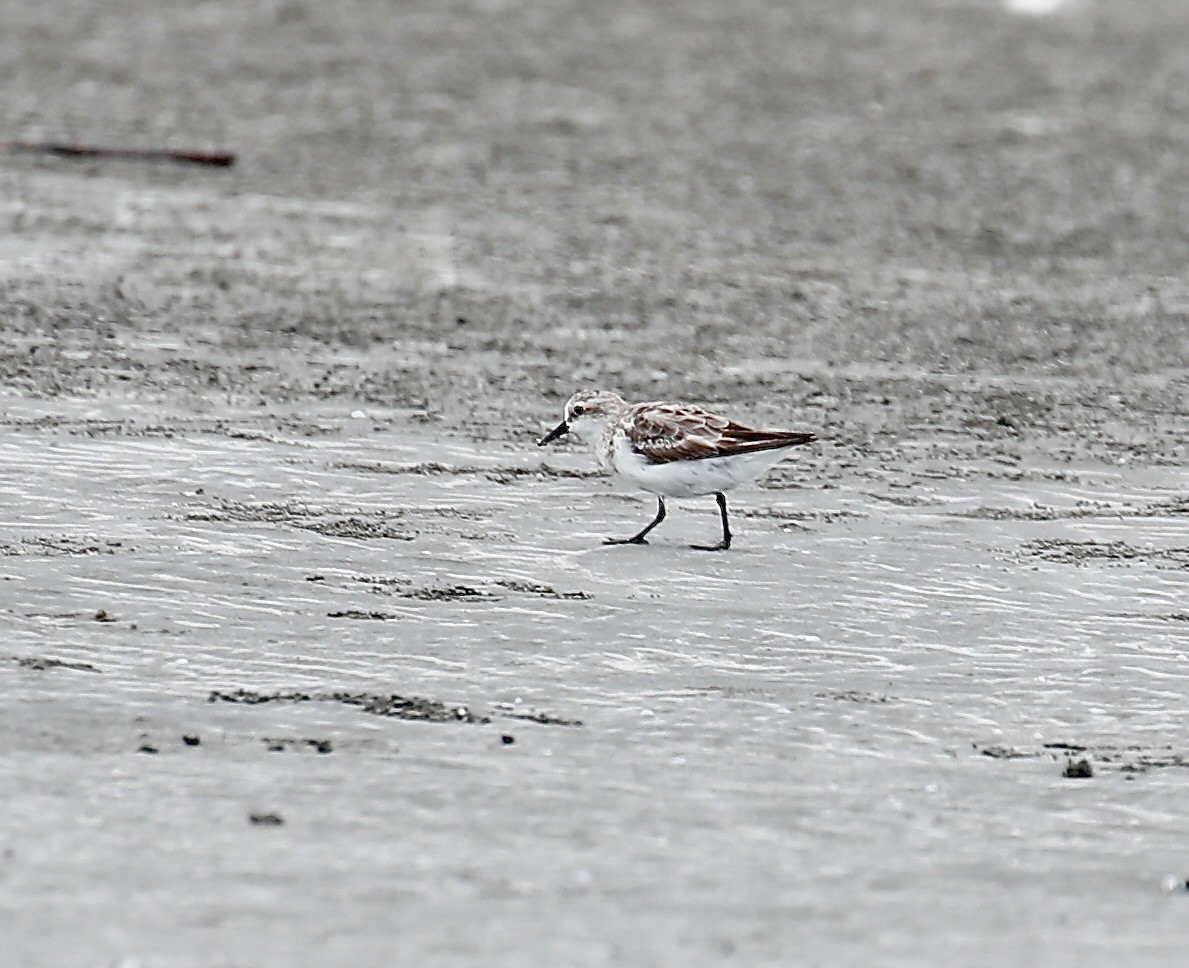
218	159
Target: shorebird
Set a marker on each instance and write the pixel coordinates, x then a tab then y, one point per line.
673	450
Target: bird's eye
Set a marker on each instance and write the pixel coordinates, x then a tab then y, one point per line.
578	411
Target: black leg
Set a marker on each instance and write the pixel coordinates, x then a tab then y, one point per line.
639	538
726	527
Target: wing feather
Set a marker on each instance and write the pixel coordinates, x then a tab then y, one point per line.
664	432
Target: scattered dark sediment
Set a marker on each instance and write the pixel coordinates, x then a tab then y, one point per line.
355	613
44	663
413	708
1129	760
266	820
1066	551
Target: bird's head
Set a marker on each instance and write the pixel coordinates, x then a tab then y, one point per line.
587	414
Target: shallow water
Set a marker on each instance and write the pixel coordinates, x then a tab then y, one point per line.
840	726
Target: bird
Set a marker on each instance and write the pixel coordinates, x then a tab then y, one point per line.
672	450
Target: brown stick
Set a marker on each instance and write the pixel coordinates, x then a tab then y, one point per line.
219	159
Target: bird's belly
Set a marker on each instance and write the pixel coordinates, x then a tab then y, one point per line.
690	478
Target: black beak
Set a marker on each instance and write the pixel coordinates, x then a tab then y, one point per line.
561	428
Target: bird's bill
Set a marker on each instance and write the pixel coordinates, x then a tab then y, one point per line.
559	430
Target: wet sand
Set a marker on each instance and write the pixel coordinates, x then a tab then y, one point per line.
313	658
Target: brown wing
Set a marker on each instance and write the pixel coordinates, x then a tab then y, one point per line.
664	432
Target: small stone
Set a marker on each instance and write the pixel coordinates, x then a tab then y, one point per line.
191	740
266	819
507	739
146	748
1078	769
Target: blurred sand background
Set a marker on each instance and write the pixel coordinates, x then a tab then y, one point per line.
270	484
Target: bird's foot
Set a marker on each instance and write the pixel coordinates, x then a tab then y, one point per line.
624	541
721	546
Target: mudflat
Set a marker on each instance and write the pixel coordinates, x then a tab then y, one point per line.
311	657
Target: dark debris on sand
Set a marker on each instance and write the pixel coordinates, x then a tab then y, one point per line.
1079	758
447	593
528	714
355	613
322	746
1004	753
61	545
1069	552
42	663
266	820
461	592
855	696
412	708
544	591
543	719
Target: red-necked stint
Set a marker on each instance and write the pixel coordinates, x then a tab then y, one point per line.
673	450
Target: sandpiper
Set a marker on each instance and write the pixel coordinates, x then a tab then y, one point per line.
673	450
